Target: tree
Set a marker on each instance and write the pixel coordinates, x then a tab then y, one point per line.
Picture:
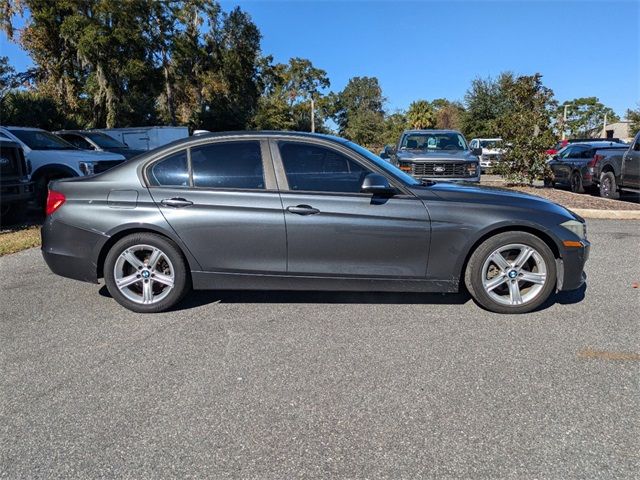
485	102
585	117
525	126
358	111
633	116
421	115
287	93
394	125
448	115
35	110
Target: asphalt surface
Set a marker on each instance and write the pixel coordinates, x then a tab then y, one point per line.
307	385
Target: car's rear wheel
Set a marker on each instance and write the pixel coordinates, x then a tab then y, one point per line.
511	272
576	183
146	273
608	187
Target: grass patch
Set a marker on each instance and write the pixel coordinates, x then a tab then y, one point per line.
17	240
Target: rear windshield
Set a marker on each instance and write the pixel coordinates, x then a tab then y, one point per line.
41	140
103	140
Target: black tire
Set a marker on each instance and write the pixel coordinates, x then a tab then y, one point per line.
576	182
608	186
182	276
473	273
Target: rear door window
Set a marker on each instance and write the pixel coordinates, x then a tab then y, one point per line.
228	165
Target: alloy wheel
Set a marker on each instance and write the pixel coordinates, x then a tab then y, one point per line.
514	274
144	274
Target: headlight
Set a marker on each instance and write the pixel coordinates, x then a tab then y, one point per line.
579	228
472	169
86	168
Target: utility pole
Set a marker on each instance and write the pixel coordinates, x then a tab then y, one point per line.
604	127
564	119
313	115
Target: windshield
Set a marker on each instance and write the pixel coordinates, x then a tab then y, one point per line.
491	143
384	165
103	140
433	141
41	140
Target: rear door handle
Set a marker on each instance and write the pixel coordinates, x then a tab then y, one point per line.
303	210
176	202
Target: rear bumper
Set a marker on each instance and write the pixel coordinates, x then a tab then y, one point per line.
571	268
71	252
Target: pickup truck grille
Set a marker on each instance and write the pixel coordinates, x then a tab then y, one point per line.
106	165
439	170
11	161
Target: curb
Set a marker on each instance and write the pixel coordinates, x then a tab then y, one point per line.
607	214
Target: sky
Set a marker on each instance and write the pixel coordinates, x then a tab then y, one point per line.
433	49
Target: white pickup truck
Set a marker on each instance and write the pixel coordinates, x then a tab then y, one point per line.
50	158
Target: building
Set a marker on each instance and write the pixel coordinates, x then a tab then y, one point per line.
619	130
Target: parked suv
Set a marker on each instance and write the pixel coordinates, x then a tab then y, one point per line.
98	141
15	188
571	165
49	157
435	155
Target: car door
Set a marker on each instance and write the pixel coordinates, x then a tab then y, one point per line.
631	166
221	199
333	229
562	166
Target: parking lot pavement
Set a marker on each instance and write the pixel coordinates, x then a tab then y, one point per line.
291	385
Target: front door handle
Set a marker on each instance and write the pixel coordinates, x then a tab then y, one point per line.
303	210
176	202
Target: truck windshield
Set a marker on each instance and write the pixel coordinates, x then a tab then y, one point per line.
433	141
384	165
491	143
104	141
41	140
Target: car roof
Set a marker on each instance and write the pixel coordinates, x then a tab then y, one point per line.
11	127
602	143
430	130
497	138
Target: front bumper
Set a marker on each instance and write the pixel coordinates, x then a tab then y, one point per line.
16	192
571	266
70	251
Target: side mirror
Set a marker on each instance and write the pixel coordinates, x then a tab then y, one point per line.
389	150
477	151
376	184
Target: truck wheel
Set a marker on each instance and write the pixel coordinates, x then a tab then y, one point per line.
146	273
576	183
608	187
511	272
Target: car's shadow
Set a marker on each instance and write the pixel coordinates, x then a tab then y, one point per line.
205	297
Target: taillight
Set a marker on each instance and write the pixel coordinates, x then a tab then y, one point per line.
594	161
54	201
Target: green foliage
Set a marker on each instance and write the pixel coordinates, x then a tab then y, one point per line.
394	125
526	127
634	120
585	117
485	102
34	110
287	93
448	115
358	111
421	115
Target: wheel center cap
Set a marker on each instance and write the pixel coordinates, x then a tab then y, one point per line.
512	274
145	273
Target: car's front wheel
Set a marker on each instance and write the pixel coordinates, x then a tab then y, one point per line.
146	273
511	272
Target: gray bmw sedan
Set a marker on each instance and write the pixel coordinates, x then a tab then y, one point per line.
296	211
